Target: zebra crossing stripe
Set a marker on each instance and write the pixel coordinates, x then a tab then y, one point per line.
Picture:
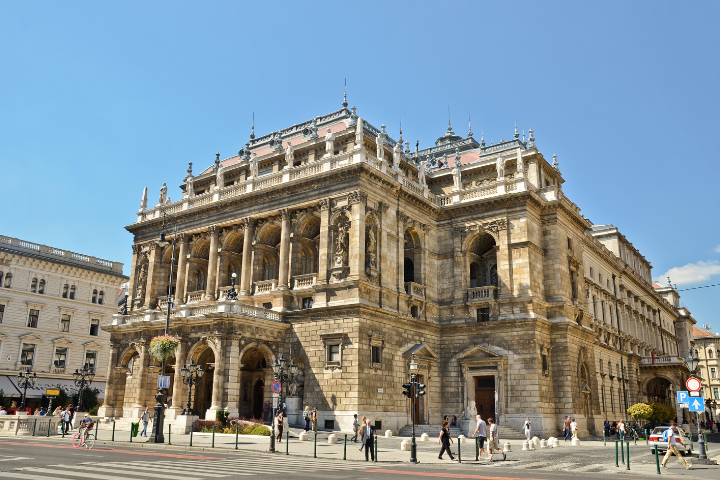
99	467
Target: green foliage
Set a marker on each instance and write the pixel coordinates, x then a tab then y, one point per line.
222	416
261	430
661	413
248	429
640	411
94	411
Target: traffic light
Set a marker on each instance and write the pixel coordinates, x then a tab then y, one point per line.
420	389
408	390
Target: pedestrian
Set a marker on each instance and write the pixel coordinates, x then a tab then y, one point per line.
453	422
566	427
527	427
607	427
280	424
356	427
493	439
42	412
37	411
72	413
266	411
314	419
362	424
480	427
669	436
306	417
145	417
445	440
58	411
621	430
574	428
368	437
67	419
3	411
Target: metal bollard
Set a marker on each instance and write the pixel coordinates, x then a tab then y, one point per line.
477	449
236	437
628	456
657	460
34	425
647	439
113	436
315	447
375	446
287	441
691	443
345	448
192	428
131	427
169	442
617	464
622	451
50	423
705	438
603	438
213	437
459	454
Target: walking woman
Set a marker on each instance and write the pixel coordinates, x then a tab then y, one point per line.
314	420
306	417
527	427
280	423
364	421
445	441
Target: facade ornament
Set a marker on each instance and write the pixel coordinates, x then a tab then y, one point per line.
516	135
380	141
168	201
217	161
407	148
421	173
500	166
297	385
353	117
341	245
371	253
190	186
555	164
357	196
143	200
141	282
276	141
311	130
247	151
163	194
457	176
254	166
359	136
397	153
219	175
284	213
457	157
531	139
247	222
329	142
324	204
482	139
289	154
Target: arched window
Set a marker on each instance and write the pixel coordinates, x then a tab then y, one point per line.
696	355
474	275
1	277
269	267
101	297
199	281
409	272
415	311
8	280
33	285
65	291
41	288
306	263
72	292
94	296
710	354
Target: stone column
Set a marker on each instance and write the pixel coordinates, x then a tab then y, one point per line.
108	407
218	381
323	250
141	393
284	250
211	290
153	276
179	389
133	275
233	382
182	269
356	260
246	274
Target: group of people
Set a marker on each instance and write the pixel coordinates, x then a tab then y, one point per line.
485	432
570	428
367	436
310	418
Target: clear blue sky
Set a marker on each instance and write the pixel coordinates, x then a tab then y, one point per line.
101	99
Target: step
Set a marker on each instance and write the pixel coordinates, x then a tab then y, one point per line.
432	430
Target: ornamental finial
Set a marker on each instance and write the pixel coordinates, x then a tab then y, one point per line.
252	131
517	135
469	127
345	102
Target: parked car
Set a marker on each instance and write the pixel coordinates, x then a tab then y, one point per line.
682	440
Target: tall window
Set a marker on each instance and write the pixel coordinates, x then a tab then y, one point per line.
375	354
612	400
595	307
27	356
101	297
60	357
713	372
64	322
269	267
65	291
72	292
90	359
34	285
602	391
710	354
483	314
33	318
307	302
8	280
602	306
41	288
2	311
94	296
716	393
333	353
94	327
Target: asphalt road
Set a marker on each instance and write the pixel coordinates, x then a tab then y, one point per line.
33	459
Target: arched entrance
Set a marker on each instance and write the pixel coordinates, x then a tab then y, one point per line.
657	390
202	396
254	377
258	398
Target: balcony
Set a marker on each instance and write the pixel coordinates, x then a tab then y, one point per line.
304	281
415	289
482	293
195	297
662	360
199	310
265	286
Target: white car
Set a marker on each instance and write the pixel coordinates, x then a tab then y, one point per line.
682	440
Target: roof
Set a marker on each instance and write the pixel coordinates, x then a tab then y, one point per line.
700	333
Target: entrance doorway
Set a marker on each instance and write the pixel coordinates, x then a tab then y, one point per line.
258	394
485	396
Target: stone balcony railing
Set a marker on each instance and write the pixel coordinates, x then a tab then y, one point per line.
195	297
184	311
265	286
332	162
304	281
415	289
482	293
661	360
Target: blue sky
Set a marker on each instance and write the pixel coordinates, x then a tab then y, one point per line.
100	100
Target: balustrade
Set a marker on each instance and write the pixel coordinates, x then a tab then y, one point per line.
660	360
195	297
265	286
482	293
415	289
304	281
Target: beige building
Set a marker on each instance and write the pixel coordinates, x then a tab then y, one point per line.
53	304
353	254
705	348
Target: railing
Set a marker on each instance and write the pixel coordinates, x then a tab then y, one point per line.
253	311
306	170
304	281
265	286
478	192
203	310
59	370
233	191
412	186
341	160
68	256
195	297
269	181
199	200
482	293
660	359
373	161
415	289
173	208
222	292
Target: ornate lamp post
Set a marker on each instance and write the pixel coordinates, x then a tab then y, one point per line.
191	375
692	363
82	379
25	380
232	293
278	367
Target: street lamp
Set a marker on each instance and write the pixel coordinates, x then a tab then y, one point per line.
232	293
83	377
191	375
278	367
25	380
692	362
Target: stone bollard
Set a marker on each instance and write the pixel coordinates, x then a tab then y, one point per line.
525	446
575	442
531	445
551	442
536	441
507	447
332	439
405	445
556	443
461	439
543	443
424	437
388	433
303	437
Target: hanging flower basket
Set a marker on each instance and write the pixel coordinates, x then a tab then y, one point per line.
163	346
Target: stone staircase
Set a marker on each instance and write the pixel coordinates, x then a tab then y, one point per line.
432	430
509	433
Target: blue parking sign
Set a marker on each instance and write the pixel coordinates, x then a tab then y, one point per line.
682	397
696	404
163	381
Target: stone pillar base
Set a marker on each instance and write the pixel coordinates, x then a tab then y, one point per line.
182	423
106	411
211	413
172	413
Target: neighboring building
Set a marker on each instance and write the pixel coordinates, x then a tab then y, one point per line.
53	304
353	254
705	348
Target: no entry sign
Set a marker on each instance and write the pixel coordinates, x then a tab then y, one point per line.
693	384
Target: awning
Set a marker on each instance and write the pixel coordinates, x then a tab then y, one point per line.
9	387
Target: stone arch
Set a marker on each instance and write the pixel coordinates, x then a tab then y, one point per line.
308	226
659	389
413	265
233	242
255	379
269	234
201	250
270	356
198	347
338	214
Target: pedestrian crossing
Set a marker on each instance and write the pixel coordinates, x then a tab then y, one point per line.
181	469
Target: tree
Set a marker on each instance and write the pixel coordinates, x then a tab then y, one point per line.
661	413
640	411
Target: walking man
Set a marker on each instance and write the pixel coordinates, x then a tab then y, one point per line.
356	427
669	435
145	418
67	417
368	439
480	433
527	427
493	441
566	427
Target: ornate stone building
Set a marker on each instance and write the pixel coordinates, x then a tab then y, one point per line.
353	253
53	304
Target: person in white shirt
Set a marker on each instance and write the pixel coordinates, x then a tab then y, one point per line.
356	427
621	429
526	427
480	433
3	411
493	440
573	428
669	434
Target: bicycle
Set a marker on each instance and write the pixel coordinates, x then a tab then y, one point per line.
81	440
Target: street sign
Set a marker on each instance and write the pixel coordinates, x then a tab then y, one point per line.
52	393
682	397
683	405
276	387
163	381
697	405
693	384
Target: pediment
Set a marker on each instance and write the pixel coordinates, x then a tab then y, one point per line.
2	335
421	350
62	341
478	353
92	344
30	337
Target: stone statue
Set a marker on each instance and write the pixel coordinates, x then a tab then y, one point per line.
457	177
371	242
380	142
254	165
421	174
141	280
297	385
329	142
520	166
500	166
143	201
220	176
289	154
277	141
457	157
397	152
341	247
190	186
163	194
168	201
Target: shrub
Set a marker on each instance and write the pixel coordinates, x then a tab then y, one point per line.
206	426
222	416
248	429
661	413
640	411
261	430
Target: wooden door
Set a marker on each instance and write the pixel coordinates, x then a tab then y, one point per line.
485	396
258	398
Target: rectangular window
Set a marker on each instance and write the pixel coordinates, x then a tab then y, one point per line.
2	312
64	322
60	357
329	424
267	306
716	392
33	318
334	353
591	273
545	366
602	390
713	372
569	243
612	400
483	314
94	327
375	354
378	425
90	359
307	302
265	171
27	356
